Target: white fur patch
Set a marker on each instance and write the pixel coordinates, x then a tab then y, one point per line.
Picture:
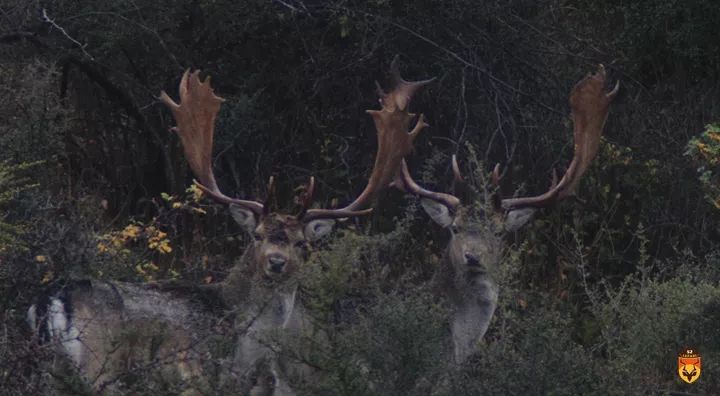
59	328
288	302
32	317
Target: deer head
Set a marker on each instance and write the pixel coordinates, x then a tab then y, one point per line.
475	245
279	238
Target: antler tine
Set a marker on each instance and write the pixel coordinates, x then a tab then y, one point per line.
403	90
458	180
495	178
307	197
590	106
270	195
456	170
496	195
309	193
554	179
195	117
395	141
408	185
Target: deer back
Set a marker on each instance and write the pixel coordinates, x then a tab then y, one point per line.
108	331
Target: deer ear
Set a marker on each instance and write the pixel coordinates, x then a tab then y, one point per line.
517	218
243	217
437	211
317	229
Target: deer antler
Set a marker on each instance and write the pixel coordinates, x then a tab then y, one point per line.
590	106
306	198
452	201
394	141
408	185
195	117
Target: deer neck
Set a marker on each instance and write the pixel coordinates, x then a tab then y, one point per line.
269	306
464	287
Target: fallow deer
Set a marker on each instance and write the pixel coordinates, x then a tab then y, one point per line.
267	300
476	242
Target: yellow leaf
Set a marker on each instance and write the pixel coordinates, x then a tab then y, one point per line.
164	248
40	259
47	277
131	231
197	193
523	303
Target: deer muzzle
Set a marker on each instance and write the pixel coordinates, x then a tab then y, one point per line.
276	263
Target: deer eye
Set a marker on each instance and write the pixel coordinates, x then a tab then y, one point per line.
257	237
301	244
454	229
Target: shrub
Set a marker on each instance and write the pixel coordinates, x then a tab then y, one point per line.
647	322
705	151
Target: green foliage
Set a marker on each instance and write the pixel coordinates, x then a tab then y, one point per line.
534	355
32	113
360	263
395	347
648	321
401	341
705	151
12	182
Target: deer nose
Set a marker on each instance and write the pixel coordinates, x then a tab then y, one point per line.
277	263
472	260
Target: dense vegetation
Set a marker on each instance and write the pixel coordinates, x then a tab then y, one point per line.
597	296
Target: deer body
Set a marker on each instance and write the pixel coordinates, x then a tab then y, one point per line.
256	354
466	278
467	282
109	329
263	291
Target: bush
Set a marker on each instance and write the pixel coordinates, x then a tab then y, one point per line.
397	346
705	151
646	323
535	354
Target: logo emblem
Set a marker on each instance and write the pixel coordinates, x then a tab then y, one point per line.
689	366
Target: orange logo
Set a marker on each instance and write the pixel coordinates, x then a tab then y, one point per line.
689	367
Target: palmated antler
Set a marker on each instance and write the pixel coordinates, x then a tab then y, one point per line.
195	117
395	141
590	105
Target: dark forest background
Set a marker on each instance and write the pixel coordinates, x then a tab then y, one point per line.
598	295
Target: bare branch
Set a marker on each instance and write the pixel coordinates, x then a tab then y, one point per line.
82	46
